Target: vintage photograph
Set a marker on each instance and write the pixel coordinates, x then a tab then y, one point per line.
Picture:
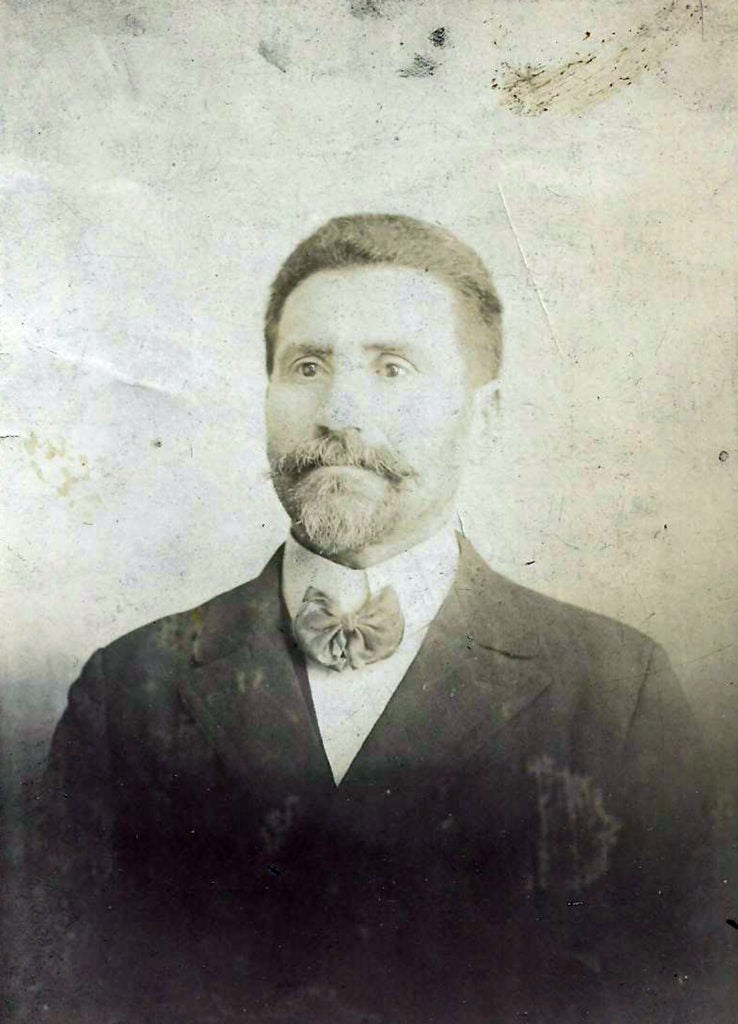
369	554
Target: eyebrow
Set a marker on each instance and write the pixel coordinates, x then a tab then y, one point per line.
296	349
399	349
304	349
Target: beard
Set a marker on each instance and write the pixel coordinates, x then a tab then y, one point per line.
340	511
340	515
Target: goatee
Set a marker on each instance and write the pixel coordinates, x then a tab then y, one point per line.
335	511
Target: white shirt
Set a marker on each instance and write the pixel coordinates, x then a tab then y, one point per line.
348	704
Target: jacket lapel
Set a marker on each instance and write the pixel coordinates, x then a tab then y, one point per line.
481	664
244	689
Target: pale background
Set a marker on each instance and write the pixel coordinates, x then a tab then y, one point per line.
160	159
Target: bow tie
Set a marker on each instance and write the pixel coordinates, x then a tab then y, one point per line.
337	639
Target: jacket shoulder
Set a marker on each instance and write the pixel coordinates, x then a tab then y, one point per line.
561	623
600	667
595	662
525	622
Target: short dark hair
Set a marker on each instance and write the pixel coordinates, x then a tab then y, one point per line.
385	238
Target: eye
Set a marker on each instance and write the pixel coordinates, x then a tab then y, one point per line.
307	368
391	368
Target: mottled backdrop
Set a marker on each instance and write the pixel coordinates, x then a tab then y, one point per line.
159	160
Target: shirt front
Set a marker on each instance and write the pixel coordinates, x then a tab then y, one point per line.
348	704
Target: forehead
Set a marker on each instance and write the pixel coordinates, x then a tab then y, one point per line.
383	302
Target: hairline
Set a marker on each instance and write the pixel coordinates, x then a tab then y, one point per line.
465	307
394	240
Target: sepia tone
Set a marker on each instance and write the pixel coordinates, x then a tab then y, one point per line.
377	764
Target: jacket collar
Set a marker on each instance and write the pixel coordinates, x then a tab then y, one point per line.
480	665
495	610
235	619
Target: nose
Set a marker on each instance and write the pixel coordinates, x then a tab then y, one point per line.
344	405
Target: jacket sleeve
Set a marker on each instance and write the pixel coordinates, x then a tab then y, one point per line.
69	864
642	938
672	907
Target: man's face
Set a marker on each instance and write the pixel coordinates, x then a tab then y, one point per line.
368	408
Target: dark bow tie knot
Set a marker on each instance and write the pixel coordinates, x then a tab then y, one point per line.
339	639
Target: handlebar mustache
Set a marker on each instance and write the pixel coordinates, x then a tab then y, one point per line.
344	450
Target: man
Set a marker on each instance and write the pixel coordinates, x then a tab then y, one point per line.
379	782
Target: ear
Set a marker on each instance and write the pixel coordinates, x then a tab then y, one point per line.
485	421
487	407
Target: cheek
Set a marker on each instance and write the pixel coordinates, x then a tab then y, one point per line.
430	421
289	416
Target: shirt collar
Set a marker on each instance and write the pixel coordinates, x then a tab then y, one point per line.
421	578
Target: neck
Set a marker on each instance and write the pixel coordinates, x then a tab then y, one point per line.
384	549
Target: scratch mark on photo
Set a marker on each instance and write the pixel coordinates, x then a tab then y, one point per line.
529	271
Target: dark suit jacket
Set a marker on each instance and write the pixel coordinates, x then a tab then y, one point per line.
524	835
